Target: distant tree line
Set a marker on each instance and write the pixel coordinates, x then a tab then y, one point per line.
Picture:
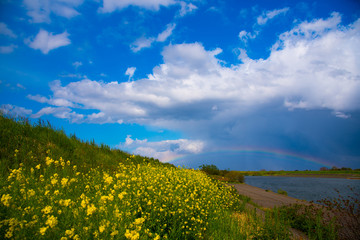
334	168
230	176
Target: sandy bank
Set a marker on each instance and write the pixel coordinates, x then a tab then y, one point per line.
264	198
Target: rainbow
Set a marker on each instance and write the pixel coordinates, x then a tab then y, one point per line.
265	152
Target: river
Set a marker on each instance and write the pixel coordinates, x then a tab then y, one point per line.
307	188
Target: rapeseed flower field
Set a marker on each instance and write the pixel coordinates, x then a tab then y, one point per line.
135	201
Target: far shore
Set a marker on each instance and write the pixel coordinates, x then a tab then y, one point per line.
344	176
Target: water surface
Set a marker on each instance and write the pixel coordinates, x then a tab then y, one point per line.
310	189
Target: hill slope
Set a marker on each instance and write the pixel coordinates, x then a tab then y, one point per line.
56	187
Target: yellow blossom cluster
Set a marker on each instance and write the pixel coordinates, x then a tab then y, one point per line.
131	201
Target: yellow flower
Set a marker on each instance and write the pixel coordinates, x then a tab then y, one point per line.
139	221
9	233
101	228
49	161
51	221
133	235
70	233
114	233
43	230
47	210
108	179
83	204
121	195
54	181
65	202
64	181
5	199
31	193
91	209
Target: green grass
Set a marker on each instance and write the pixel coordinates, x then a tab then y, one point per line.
53	186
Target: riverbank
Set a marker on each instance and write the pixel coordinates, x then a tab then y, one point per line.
266	199
304	213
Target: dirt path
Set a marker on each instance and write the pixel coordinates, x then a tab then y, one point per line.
264	198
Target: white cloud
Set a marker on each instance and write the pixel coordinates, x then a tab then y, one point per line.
312	66
141	43
20	86
166	33
144	42
341	115
4	30
266	16
112	5
59	102
165	150
45	41
186	8
73	75
59	112
40	10
7	49
245	36
77	64
12	110
130	72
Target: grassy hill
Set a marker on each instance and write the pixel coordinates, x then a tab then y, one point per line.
23	142
57	187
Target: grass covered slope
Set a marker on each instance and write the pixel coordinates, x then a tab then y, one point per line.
55	187
28	143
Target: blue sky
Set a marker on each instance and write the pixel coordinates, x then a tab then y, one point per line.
245	85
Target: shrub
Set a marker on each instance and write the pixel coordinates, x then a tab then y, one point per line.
210	169
282	192
234	176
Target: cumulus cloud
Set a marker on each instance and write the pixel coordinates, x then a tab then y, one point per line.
314	66
4	30
165	150
266	16
40	10
112	5
45	41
